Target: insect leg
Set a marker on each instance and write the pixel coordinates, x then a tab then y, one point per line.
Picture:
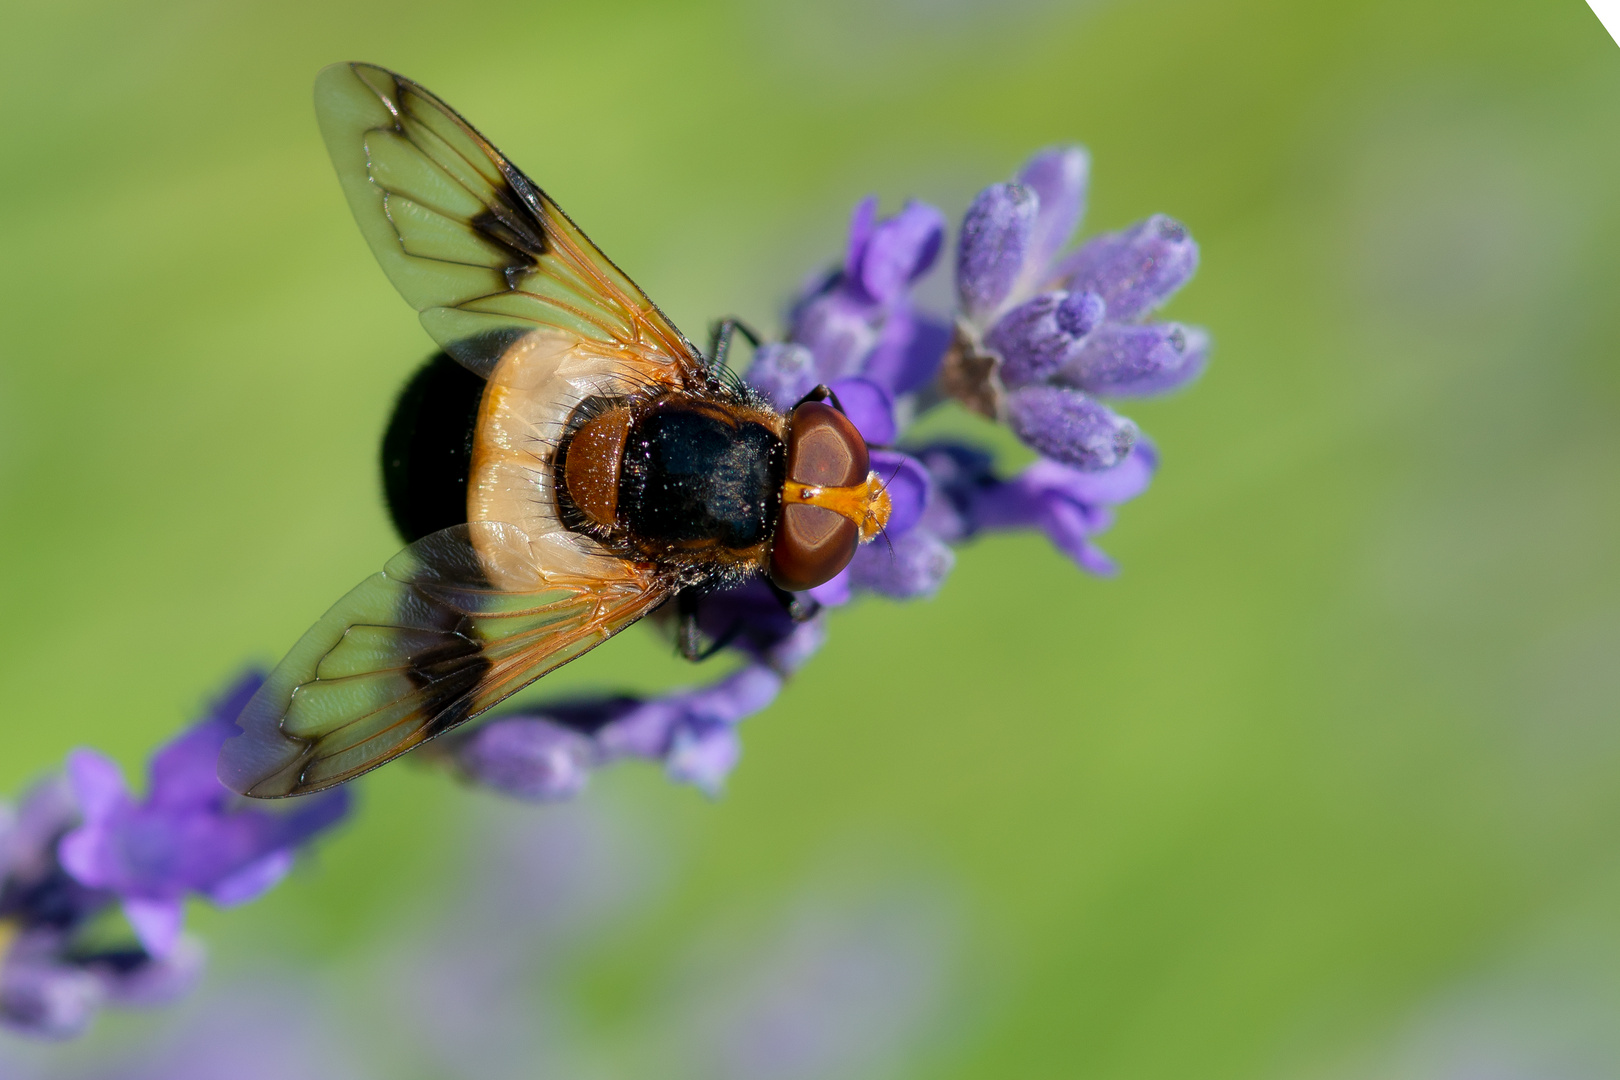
689	636
801	610
720	341
822	393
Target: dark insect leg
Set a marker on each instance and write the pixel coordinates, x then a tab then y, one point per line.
822	393
801	610
720	340
689	636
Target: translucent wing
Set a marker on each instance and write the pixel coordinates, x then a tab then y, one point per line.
453	624
471	242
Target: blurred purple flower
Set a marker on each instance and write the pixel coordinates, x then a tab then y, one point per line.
190	834
52	979
547	755
79	846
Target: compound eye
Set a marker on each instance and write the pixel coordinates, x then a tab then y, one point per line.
813	543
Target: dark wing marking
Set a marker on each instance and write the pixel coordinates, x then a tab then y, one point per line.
468	240
420	648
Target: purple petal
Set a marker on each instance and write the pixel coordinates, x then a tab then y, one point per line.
911	566
834	592
529	758
839	330
1136	270
784	373
860	234
1103	487
1038	498
1042	335
1058	177
253	880
908	352
1069	527
156	923
1129	360
98	785
704	758
1066	425
868	408
900	250
184	772
993	248
906	481
83	854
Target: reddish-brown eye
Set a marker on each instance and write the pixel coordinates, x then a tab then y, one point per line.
813	543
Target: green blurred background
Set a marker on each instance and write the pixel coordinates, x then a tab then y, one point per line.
1324	785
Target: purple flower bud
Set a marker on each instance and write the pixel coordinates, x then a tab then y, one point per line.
1038	337
993	248
885	258
784	373
912	565
529	758
1068	426
1058	176
1136	270
1127	360
868	407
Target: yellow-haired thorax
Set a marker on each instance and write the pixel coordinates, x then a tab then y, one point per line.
866	504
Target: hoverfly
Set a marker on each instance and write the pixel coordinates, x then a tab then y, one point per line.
610	466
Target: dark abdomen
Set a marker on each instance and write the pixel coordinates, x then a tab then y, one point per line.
427	450
691	474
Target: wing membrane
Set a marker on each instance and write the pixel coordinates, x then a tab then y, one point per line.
470	242
419	648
